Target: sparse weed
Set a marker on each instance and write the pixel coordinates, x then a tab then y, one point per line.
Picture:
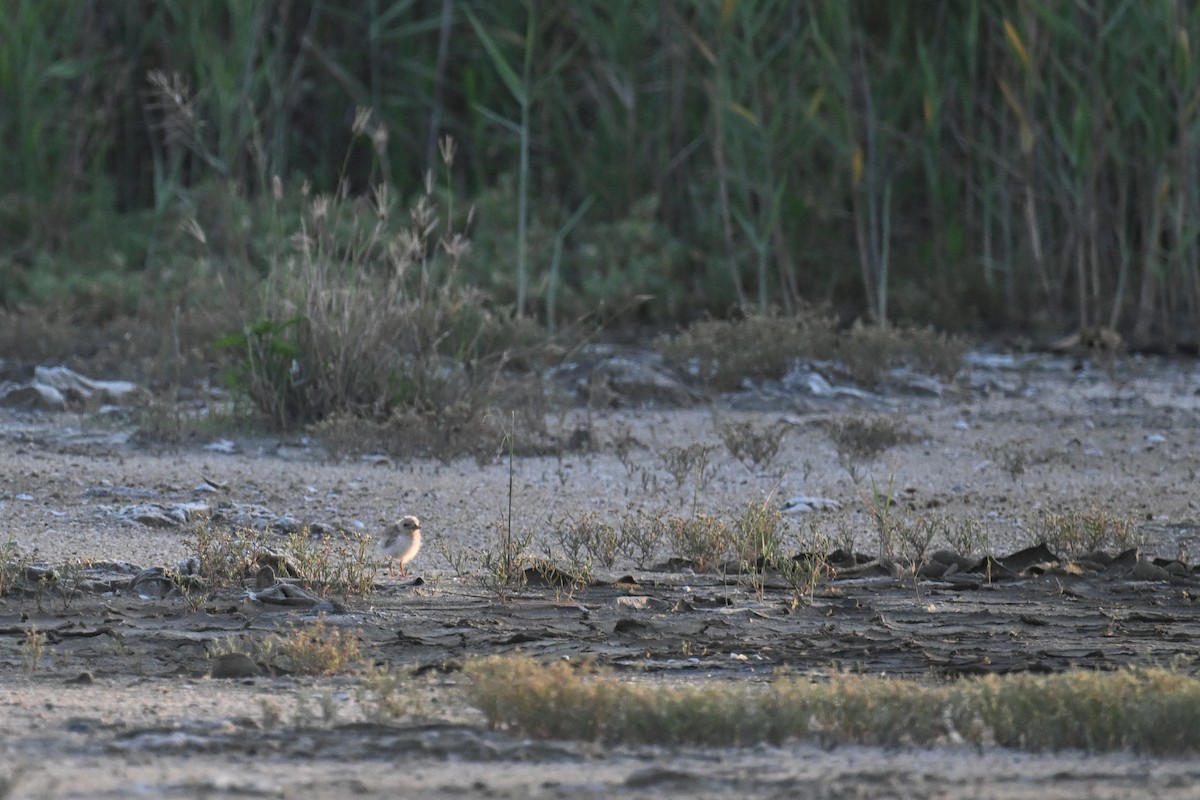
365	328
584	539
225	556
845	538
1017	456
576	576
315	649
755	446
327	565
459	560
272	713
967	537
502	572
385	694
704	540
693	461
862	437
641	536
1077	531
804	570
881	505
758	542
33	648
758	535
324	565
70	581
14	566
916	532
623	443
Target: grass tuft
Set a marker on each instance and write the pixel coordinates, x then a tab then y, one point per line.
1082	530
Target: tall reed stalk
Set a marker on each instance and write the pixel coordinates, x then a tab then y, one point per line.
970	163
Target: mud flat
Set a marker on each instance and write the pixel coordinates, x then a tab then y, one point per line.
120	698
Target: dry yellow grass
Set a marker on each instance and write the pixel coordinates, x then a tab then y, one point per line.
1150	710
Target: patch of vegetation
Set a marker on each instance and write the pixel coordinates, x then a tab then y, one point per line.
869	352
642	535
227	557
502	571
722	354
862	437
585	538
13	566
694	460
367	323
315	649
1147	710
33	648
1076	531
804	570
385	694
1017	456
967	537
754	445
704	540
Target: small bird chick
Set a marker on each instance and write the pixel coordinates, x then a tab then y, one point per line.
401	542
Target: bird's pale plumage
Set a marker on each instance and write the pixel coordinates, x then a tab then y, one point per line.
401	542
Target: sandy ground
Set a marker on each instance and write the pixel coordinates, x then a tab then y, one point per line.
121	703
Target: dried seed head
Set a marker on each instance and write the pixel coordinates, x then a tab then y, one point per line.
382	203
318	210
362	118
456	246
379	138
447	146
302	243
423	216
192	228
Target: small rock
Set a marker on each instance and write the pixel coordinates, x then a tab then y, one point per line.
264	578
1146	570
802	503
235	665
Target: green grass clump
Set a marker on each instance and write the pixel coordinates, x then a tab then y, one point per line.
1148	710
1082	530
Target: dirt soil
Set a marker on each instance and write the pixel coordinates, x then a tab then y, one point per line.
122	698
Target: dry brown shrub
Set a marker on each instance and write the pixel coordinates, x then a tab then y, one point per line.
721	353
